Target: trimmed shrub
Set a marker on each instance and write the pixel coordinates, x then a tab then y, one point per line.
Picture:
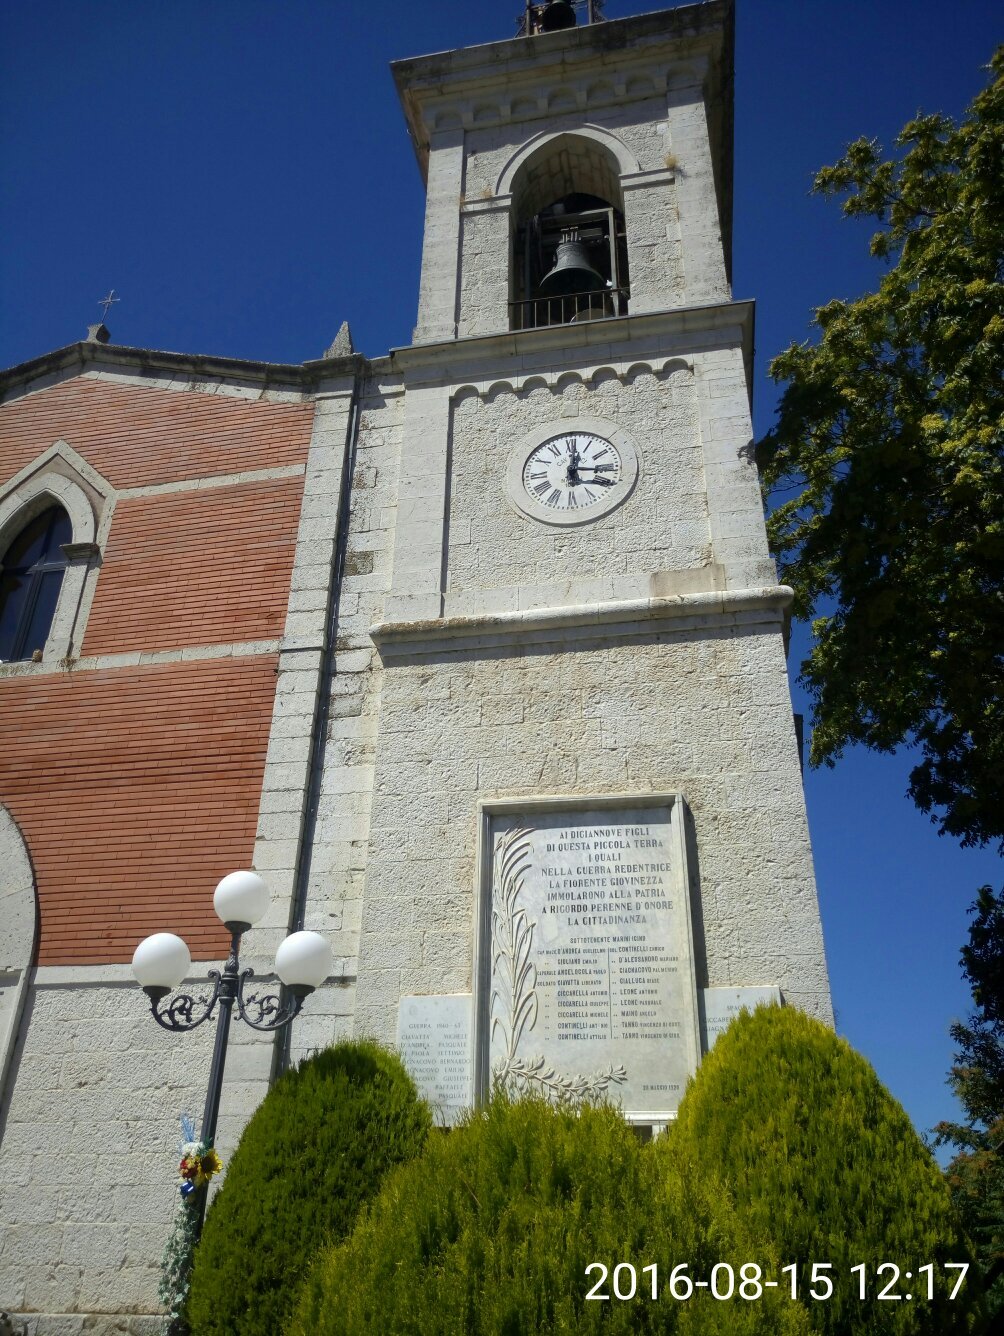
316	1149
826	1164
491	1231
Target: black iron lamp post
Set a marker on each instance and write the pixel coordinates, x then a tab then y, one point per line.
160	962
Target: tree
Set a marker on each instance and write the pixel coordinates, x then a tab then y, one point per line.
315	1150
887	452
976	1175
827	1166
493	1232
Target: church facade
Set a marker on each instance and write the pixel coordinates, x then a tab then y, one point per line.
474	651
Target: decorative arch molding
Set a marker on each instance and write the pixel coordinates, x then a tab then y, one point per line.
677	364
60	476
622	155
556	382
19	915
57	476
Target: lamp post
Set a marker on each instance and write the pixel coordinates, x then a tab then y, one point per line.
161	961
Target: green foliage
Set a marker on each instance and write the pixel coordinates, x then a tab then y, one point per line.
825	1163
176	1265
976	1176
887	459
491	1231
316	1149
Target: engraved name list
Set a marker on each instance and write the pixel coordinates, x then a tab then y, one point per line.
592	987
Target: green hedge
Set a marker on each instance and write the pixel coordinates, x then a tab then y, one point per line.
491	1231
316	1149
826	1164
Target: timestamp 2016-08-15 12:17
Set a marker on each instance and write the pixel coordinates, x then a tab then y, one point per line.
883	1281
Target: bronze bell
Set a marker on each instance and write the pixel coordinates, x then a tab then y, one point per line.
555	16
572	272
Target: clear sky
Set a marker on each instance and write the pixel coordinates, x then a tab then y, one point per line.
239	172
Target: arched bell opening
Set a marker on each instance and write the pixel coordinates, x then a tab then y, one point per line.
569	256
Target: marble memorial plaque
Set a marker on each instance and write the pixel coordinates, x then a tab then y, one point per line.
434	1038
585	985
719	1006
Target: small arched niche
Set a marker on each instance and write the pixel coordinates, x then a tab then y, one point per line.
569	248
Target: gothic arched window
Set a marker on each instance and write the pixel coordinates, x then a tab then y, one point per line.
31	574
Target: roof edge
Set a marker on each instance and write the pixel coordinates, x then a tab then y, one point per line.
200	365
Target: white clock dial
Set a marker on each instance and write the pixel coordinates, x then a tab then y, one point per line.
573	471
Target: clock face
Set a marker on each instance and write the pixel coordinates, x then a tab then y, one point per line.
572	472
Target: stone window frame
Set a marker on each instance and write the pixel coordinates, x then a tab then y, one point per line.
512	184
60	476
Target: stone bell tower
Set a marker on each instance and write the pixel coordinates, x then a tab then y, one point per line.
587	836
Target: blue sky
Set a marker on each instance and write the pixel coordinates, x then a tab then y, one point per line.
240	174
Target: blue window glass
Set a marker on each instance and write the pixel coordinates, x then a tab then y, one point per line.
31	573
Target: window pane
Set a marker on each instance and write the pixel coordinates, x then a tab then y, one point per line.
30	543
13	596
41	615
29	591
60	531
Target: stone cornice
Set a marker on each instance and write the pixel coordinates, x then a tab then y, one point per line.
627	617
629	337
576	71
474	81
88	355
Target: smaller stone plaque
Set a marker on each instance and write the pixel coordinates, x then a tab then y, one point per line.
434	1037
719	1006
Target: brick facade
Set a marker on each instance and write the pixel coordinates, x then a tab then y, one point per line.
136	789
136	785
201	567
138	435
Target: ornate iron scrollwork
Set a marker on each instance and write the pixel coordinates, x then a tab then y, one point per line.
177	1015
267	1009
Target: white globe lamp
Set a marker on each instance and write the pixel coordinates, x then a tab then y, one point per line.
241	899
303	961
161	961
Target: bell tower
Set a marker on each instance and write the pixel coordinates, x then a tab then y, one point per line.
588	838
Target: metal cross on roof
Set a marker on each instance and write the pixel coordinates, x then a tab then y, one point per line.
105	302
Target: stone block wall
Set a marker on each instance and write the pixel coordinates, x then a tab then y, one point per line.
652	158
338	850
89	1148
663	526
701	707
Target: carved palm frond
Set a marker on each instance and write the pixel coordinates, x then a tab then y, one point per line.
514	999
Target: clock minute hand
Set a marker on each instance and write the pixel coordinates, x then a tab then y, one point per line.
599	468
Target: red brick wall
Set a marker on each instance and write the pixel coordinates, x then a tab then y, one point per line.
136	790
136	436
196	568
